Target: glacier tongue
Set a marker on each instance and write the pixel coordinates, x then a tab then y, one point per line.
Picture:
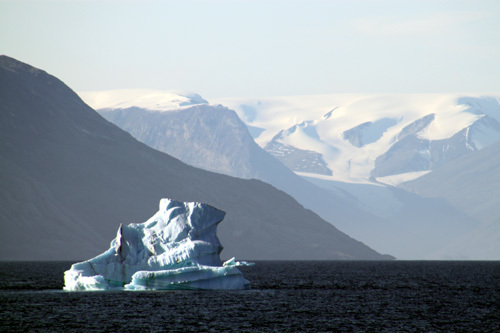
177	248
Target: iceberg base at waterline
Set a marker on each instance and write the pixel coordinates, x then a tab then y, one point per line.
177	248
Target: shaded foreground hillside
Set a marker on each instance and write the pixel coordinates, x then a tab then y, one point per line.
68	178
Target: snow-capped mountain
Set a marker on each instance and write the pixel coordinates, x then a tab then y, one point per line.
355	138
214	138
361	142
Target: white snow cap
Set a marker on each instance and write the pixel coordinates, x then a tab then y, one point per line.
351	131
155	100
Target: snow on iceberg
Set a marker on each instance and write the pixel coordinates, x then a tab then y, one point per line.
177	248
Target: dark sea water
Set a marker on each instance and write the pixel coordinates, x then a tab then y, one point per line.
285	297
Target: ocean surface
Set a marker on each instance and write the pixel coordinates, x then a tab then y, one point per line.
286	296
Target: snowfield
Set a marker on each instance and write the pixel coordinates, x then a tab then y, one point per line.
351	131
154	100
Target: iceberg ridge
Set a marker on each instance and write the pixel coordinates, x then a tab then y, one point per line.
177	248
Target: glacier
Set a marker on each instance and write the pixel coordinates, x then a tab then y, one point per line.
177	248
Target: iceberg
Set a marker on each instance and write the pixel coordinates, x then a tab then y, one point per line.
177	248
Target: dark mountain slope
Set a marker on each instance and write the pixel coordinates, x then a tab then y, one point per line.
68	178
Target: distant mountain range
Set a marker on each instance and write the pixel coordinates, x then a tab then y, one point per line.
212	137
370	140
388	218
472	184
69	178
391	138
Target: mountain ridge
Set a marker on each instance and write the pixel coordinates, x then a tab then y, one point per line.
69	177
361	136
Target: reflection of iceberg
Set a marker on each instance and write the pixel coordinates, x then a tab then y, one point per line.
177	248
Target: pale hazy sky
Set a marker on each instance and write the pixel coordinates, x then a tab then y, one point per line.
260	48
